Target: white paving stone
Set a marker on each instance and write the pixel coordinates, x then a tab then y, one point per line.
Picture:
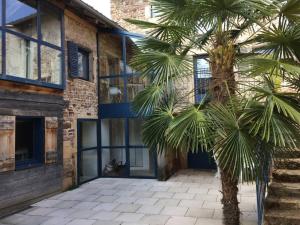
127	208
191	203
174	211
108	216
146	201
183	196
188	198
182	221
129	217
203	221
81	222
150	209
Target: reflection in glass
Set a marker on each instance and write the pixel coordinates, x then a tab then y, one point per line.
89	165
50	25
51	65
131	46
113	132
0	50
203	76
135	84
141	162
114	162
83	64
21	57
21	16
111	90
111	63
135	132
88	134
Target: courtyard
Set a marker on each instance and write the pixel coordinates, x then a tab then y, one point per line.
190	197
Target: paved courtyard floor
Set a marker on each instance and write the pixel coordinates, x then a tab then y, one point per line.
188	198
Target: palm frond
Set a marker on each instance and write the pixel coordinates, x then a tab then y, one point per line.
161	67
155	128
235	148
191	130
147	100
291	10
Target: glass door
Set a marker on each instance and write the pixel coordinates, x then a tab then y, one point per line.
87	150
113	148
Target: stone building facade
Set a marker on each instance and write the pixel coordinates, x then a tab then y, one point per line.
81	96
40	104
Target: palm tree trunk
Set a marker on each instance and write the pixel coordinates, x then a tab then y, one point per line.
223	85
231	211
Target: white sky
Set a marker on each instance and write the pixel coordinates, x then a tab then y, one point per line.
102	6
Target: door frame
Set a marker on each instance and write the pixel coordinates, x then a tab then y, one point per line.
80	149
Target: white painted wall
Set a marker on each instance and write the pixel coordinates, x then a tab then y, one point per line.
103	6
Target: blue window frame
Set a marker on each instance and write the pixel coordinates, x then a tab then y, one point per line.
29	149
88	151
202	77
122	152
118	81
31	53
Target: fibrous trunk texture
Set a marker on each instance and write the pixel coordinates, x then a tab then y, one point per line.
222	65
222	87
231	211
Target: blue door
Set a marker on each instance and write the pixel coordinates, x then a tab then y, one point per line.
201	160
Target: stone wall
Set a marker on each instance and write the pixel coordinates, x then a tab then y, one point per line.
130	9
81	96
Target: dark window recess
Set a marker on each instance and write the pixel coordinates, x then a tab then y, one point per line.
83	64
78	61
29	142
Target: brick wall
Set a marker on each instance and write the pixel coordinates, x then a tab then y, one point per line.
130	9
81	96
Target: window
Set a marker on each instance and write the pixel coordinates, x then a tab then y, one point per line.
119	82
79	61
153	12
83	64
29	142
202	77
32	31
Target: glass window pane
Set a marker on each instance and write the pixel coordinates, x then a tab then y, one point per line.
89	134
114	162
111	90
83	64
111	63
1	12
135	84
51	65
142	162
203	68
0	52
135	132
50	25
89	165
21	57
203	77
113	132
131	46
21	16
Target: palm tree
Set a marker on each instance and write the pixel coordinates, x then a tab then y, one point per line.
237	128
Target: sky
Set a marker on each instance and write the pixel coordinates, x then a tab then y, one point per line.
102	6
